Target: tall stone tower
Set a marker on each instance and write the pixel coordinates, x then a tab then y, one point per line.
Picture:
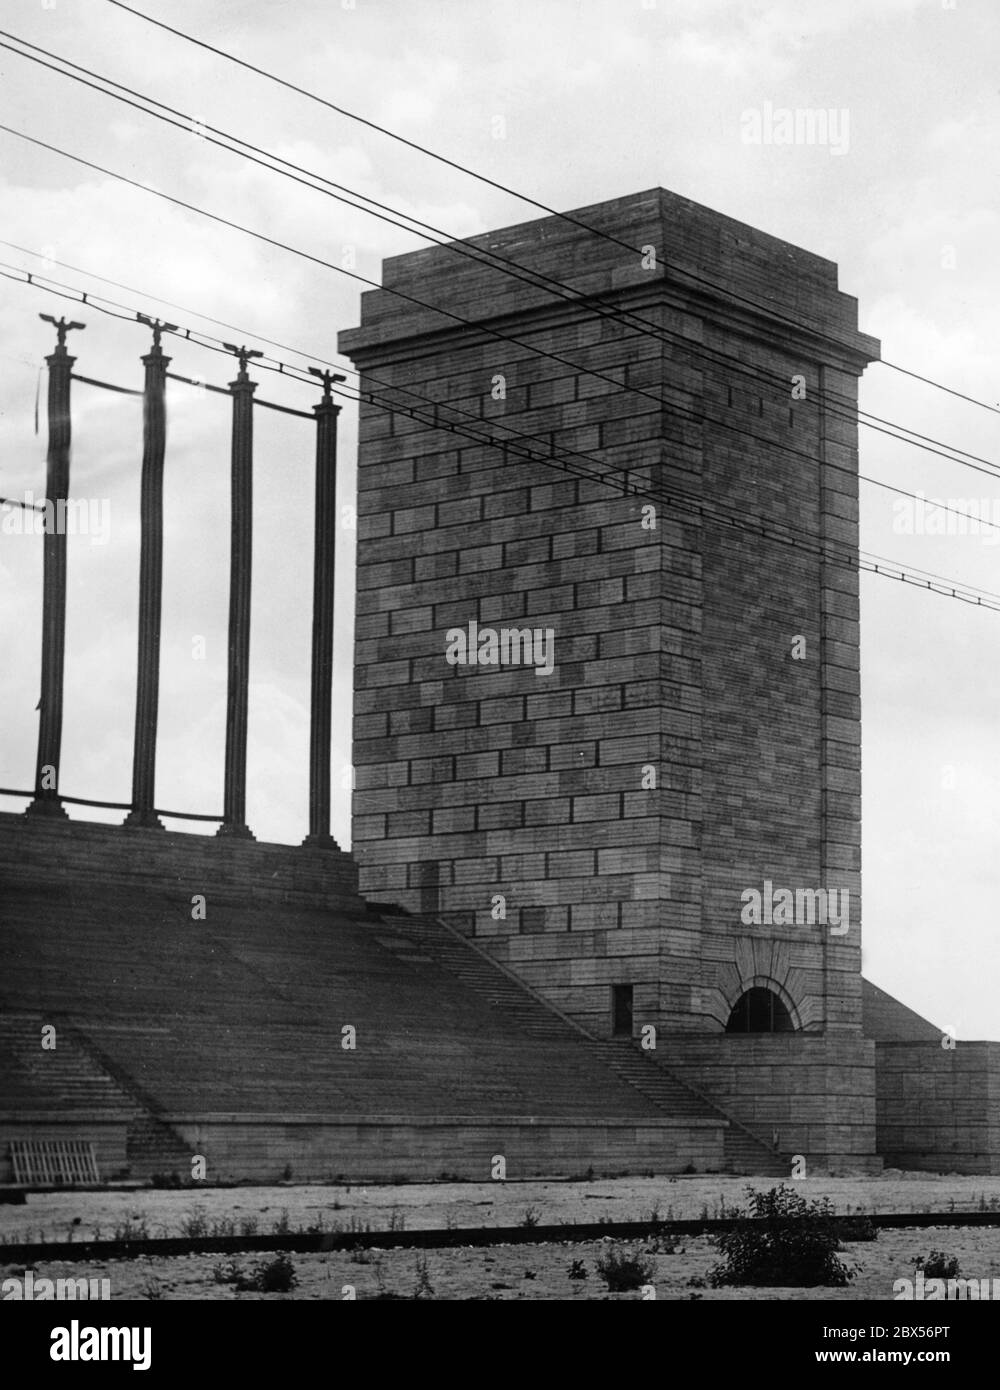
603	826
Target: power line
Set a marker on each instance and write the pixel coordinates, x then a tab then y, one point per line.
503	188
929	381
753	526
457	245
461	247
130	289
660	401
290	370
25	506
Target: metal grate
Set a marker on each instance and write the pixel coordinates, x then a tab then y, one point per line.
55	1162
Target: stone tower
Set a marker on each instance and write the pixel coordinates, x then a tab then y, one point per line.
674	725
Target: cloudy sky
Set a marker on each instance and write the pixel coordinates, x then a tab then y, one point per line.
573	102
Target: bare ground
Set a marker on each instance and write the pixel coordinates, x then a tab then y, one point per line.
539	1271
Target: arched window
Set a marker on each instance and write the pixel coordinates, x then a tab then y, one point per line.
759	1011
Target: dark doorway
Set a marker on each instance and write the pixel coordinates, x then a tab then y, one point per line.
759	1011
621	1011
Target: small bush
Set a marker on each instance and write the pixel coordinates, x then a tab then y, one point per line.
423	1287
226	1272
268	1276
858	1228
134	1227
194	1225
622	1270
784	1241
275	1276
166	1180
577	1270
530	1217
938	1265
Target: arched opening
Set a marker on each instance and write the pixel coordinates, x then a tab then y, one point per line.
759	1011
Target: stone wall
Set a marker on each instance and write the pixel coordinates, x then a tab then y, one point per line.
84	854
807	1095
938	1107
367	1149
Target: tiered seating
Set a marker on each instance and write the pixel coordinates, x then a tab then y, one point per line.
243	1012
60	1080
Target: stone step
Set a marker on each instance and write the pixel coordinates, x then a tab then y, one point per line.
668	1092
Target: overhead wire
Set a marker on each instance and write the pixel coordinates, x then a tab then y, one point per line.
527	199
754	526
459	246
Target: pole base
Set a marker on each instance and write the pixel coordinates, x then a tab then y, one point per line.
326	842
143	820
230	831
46	808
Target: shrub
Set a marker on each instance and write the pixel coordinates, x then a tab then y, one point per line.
530	1217
783	1241
268	1276
623	1270
226	1272
194	1225
275	1276
577	1270
134	1227
857	1228
423	1287
166	1180
938	1265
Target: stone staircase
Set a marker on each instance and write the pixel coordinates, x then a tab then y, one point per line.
154	1149
423	936
242	1015
76	1079
64	1079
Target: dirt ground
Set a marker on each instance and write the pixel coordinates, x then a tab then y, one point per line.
430	1206
540	1271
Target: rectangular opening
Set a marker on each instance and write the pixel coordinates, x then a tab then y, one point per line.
621	1011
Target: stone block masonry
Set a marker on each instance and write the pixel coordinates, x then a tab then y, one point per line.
699	732
939	1105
